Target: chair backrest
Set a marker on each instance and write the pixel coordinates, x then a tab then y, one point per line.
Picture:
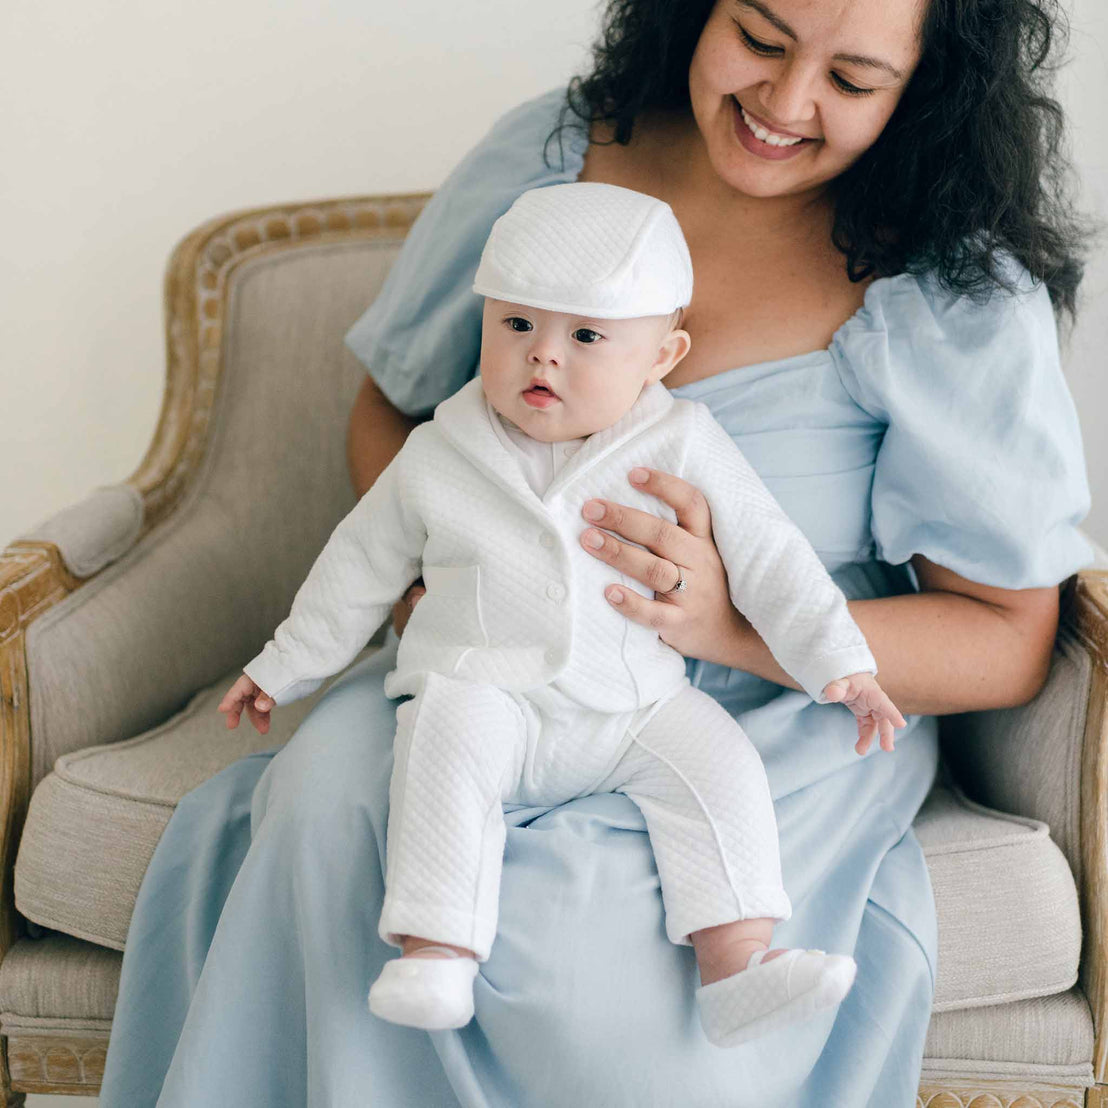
203	589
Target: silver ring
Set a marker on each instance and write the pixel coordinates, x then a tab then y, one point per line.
682	585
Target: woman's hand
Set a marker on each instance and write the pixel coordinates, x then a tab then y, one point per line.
700	621
244	693
403	608
877	715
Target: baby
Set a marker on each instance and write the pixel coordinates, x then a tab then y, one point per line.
523	685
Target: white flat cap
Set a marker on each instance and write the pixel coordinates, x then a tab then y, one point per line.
590	249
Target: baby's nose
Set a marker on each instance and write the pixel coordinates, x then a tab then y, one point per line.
544	353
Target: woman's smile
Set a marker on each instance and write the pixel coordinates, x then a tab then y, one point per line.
763	142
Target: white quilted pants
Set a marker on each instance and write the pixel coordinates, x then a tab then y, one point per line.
465	750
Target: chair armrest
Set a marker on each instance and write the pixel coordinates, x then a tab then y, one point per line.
1048	760
1028	760
1089	617
94	533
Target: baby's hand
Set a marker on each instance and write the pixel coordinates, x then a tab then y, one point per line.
258	704
876	713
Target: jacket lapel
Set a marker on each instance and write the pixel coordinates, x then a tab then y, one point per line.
463	420
651	406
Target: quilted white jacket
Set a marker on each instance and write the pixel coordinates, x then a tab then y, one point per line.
512	599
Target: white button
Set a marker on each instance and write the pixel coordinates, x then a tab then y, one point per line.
552	658
570	450
547	539
556	591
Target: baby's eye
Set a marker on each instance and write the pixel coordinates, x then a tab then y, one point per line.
587	335
518	323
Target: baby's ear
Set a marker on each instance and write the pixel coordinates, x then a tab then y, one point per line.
674	347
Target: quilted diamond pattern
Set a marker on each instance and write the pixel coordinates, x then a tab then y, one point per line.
459	749
588	247
704	795
770	995
463	749
454	499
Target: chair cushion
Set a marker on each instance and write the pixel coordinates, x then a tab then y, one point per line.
1049	1037
59	986
1008	913
93	823
1009	924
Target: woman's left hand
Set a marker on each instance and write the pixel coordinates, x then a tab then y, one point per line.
700	621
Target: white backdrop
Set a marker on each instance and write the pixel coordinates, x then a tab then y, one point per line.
127	122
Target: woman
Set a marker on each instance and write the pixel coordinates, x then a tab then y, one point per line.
869	192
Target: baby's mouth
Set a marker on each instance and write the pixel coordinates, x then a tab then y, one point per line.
541	388
539	394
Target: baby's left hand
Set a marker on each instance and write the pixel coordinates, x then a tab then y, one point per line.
876	713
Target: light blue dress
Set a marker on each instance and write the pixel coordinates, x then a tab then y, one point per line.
931	425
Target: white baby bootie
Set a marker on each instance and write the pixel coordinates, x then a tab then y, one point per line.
768	995
432	993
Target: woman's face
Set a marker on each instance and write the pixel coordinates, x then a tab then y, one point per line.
788	93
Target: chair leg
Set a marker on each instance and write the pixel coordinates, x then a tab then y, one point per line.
8	1098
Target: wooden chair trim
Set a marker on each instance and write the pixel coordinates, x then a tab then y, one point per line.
1000	1094
195	295
1097	1097
1087	614
64	1065
33	578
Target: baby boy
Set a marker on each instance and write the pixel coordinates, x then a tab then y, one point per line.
523	685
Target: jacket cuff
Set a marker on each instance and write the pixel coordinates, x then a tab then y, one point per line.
814	676
267	672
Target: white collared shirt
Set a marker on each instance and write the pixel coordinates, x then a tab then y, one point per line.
540	462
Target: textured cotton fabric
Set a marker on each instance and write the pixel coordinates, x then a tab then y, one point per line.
540	462
513	601
581	1001
500	616
463	751
589	249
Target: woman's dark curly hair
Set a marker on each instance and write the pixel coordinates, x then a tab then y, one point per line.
971	167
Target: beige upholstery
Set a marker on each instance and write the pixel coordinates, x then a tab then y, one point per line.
1038	775
94	822
1009	921
188	576
202	592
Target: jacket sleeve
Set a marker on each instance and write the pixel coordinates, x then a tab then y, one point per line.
775	577
372	556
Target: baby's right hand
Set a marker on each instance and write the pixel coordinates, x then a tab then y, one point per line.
258	704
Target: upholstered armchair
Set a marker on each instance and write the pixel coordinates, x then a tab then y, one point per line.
125	617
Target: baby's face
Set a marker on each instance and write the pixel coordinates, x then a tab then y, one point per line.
559	376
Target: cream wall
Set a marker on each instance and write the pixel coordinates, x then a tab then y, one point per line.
126	123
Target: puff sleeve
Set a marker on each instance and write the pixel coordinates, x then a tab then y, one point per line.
981	467
420	339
